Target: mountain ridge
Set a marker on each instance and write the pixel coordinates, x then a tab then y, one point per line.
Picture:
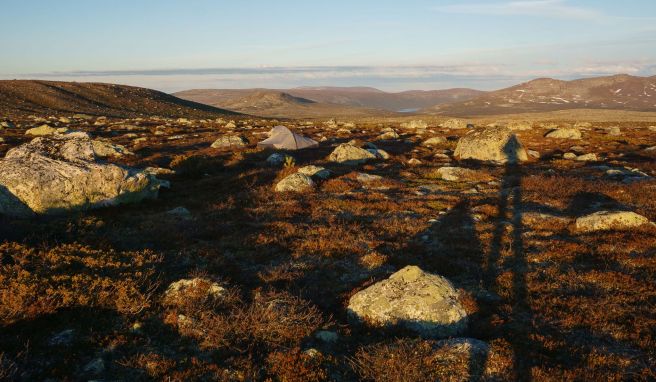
23	97
616	92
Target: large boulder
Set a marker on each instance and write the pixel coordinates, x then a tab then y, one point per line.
496	144
413	299
295	183
351	155
610	220
58	173
564	133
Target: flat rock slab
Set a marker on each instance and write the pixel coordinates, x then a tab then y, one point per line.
413	299
565	133
460	174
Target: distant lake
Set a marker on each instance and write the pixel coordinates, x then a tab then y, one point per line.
409	110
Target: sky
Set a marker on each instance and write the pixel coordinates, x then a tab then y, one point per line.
173	45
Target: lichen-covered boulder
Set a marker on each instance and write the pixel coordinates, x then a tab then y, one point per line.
495	144
229	141
413	299
610	220
455	124
350	154
564	133
295	183
58	173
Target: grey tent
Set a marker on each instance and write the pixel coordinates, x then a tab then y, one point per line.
282	138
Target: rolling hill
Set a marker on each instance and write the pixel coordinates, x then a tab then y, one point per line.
374	98
619	92
276	103
24	97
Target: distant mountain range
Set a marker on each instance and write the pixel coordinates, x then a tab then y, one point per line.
24	97
619	92
324	101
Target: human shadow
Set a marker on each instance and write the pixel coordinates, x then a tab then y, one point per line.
509	218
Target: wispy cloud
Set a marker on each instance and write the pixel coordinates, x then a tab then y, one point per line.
542	8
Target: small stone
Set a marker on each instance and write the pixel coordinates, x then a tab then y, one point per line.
179	211
434	141
95	366
316	171
390	135
366	178
277	159
380	154
62	338
592	157
569	156
455	124
416	124
181	288
327	336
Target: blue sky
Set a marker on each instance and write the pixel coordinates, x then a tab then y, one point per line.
416	44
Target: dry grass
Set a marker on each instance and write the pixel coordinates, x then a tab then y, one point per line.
550	303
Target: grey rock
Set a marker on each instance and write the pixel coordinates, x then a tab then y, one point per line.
411	298
295	183
350	155
55	174
495	144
